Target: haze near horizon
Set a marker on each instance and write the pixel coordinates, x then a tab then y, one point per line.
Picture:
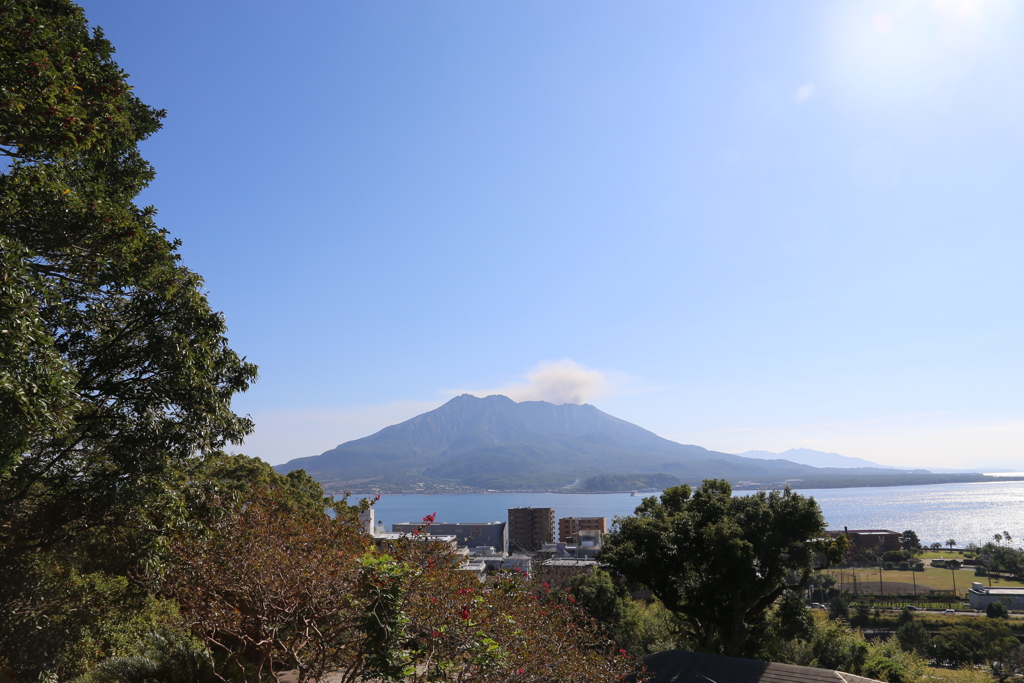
745	227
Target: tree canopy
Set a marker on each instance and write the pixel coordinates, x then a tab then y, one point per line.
909	540
716	560
131	546
113	367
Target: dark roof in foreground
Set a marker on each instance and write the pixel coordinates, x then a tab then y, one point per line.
679	666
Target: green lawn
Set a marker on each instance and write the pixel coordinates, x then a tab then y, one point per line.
937	554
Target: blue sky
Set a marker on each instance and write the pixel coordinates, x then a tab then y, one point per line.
752	225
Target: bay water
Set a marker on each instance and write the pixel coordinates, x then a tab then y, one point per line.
968	513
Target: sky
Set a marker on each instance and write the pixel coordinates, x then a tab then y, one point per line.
749	225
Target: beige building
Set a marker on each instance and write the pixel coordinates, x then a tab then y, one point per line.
530	528
569	527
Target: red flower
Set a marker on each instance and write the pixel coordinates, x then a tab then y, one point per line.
464	613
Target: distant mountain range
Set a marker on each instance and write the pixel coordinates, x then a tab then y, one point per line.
806	456
494	443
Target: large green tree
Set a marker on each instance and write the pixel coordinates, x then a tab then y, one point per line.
910	541
113	368
716	560
114	371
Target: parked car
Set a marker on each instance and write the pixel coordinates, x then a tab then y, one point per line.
949	611
913	608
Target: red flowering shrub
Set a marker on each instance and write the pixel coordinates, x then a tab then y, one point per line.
506	630
274	588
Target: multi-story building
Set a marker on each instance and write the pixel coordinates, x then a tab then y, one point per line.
469	534
530	528
569	527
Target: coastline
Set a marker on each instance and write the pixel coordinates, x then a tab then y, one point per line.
854	482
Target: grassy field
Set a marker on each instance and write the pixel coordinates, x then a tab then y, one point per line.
941	554
896	581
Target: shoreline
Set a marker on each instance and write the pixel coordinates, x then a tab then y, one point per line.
796	485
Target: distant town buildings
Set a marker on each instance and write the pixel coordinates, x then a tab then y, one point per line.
383	540
569	527
366	521
468	534
524	544
530	528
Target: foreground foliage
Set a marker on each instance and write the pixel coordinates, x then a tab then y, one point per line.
716	560
113	367
131	548
641	627
114	371
273	587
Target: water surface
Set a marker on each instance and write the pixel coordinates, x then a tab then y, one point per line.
965	512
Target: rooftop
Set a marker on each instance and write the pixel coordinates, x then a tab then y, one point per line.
677	666
459	523
570	562
985	590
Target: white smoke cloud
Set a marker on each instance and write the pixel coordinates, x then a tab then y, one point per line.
558	381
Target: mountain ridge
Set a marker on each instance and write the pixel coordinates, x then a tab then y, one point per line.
495	443
807	456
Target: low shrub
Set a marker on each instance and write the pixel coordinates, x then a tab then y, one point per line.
996	610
